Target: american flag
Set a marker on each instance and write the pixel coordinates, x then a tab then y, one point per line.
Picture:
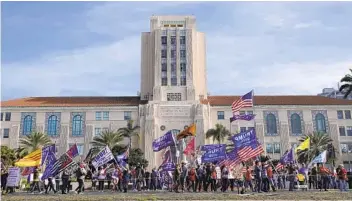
249	152
245	101
279	166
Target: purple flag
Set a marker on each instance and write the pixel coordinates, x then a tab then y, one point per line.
208	147
247	138
163	142
168	166
46	151
287	157
246	117
216	154
50	161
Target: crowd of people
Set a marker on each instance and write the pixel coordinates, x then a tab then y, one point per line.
261	177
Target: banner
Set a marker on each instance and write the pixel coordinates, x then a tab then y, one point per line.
13	177
163	142
45	151
246	117
103	157
72	168
244	139
168	166
216	154
209	147
49	164
321	158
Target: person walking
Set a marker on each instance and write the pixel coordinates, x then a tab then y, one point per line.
154	179
224	178
65	177
35	184
50	185
258	176
270	175
324	182
248	179
176	178
200	178
342	177
183	176
81	173
192	179
101	178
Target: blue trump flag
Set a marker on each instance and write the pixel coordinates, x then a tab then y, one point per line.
163	141
208	147
216	154
49	165
46	151
246	117
288	157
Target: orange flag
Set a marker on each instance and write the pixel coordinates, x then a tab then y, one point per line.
189	131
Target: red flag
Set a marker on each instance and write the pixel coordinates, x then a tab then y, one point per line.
190	147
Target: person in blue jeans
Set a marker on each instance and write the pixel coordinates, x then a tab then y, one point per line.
342	175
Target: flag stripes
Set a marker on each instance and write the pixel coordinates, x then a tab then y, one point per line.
244	101
248	153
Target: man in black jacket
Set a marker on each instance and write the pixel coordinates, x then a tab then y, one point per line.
258	176
65	177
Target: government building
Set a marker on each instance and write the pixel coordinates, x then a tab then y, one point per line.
173	95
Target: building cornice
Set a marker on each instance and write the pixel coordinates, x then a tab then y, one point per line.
79	108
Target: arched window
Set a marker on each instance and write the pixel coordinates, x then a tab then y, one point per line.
27	125
77	125
296	125
320	122
271	128
52	125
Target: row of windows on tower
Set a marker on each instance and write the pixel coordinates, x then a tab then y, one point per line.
173	54
164	81
173	40
295	121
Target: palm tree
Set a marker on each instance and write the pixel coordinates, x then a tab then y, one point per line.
129	131
107	138
33	142
218	133
319	142
346	88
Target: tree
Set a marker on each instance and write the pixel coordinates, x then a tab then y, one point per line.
319	142
129	131
136	156
107	138
8	156
218	133
346	88
33	142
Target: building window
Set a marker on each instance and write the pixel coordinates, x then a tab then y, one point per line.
347	114
250	128
269	148
173	81
164	40
173	40
242	112
8	116
173	96
183	81
80	148
164	81
320	122
97	131
6	133
182	40
2	116
343	148
105	130
173	67
173	54
249	112
27	125
183	68
183	74
98	116
221	115
339	114
277	149
164	54
77	125
349	130
127	115
271	124
243	129
296	125
52	125
182	53
106	116
163	67
342	131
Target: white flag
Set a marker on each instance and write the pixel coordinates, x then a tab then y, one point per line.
321	158
103	157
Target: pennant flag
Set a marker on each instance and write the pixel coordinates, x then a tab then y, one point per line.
190	147
189	131
321	158
246	117
304	145
245	101
247	145
163	141
31	160
287	157
103	157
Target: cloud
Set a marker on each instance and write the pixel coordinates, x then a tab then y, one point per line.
274	48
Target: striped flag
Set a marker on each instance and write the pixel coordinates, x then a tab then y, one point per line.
245	101
279	166
249	152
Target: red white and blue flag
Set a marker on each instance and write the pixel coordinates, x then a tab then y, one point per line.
245	101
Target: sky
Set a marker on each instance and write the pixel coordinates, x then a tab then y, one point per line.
93	48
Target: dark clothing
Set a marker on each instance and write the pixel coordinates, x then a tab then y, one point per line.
50	185
258	178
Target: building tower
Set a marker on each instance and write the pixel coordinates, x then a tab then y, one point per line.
173	60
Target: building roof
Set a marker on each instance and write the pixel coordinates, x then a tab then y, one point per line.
278	100
96	101
90	101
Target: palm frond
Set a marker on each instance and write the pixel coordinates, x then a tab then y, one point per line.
34	141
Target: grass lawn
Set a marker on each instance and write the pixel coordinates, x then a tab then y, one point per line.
285	195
